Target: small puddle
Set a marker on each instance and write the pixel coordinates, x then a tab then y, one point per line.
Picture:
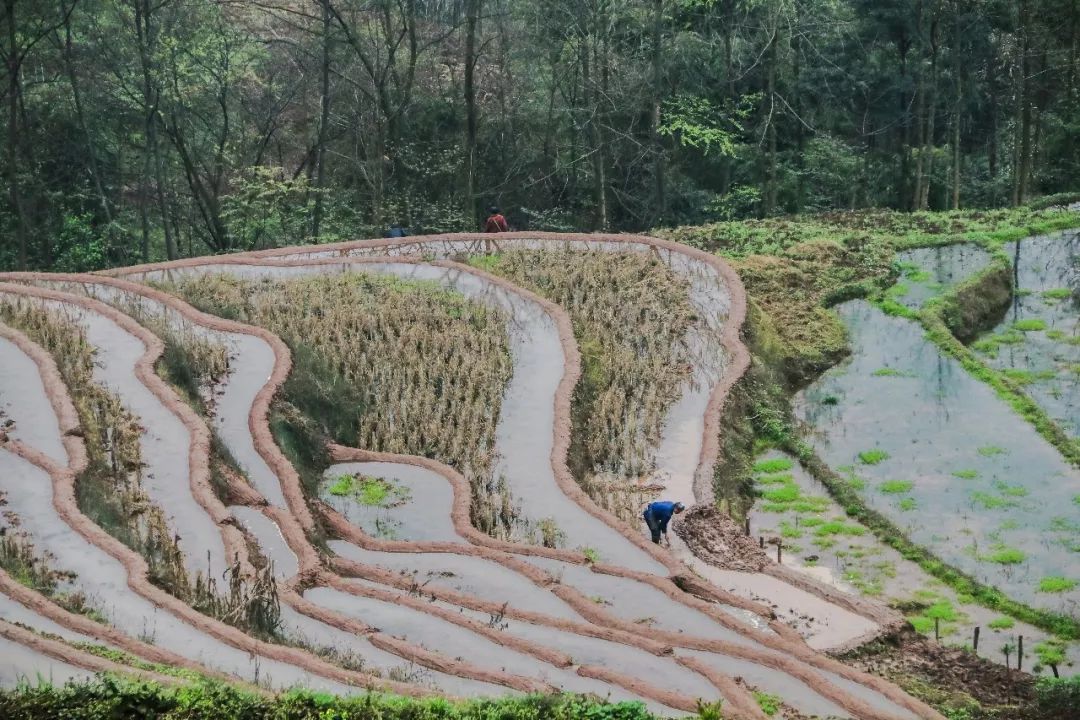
937	452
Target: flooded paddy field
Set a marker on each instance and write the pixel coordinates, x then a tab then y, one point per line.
937	452
1037	344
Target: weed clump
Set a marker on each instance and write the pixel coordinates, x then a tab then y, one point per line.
1029	325
1056	584
873	457
773	465
896	487
1002	555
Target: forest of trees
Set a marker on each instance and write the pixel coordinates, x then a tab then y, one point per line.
137	130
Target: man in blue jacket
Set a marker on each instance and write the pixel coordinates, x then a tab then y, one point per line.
658	515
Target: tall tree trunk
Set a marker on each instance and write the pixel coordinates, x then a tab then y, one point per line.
958	105
769	194
1022	115
14	68
324	121
80	115
472	18
596	151
920	111
992	146
153	164
800	128
729	79
660	202
931	115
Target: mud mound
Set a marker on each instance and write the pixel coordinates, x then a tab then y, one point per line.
718	540
908	656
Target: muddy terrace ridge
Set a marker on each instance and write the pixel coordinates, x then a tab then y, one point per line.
612	614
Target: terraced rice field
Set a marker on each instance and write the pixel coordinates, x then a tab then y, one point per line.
381	495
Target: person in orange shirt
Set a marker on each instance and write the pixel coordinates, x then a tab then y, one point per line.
495	223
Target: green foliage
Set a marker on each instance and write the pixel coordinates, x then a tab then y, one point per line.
106	697
836	527
1056	584
1003	555
966	474
773	465
1058	698
873	457
1002	623
695	122
1029	325
769	704
896	487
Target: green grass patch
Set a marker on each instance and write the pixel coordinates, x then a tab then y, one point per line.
342	486
1029	325
908	504
966	474
1010	337
777	479
774	465
1056	584
782	494
992	450
787	530
838	527
896	487
769	704
873	457
810	521
1002	623
1003	555
989	501
1057	293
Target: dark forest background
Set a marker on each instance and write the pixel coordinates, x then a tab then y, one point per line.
140	130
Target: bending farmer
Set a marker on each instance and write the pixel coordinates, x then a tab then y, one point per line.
658	514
